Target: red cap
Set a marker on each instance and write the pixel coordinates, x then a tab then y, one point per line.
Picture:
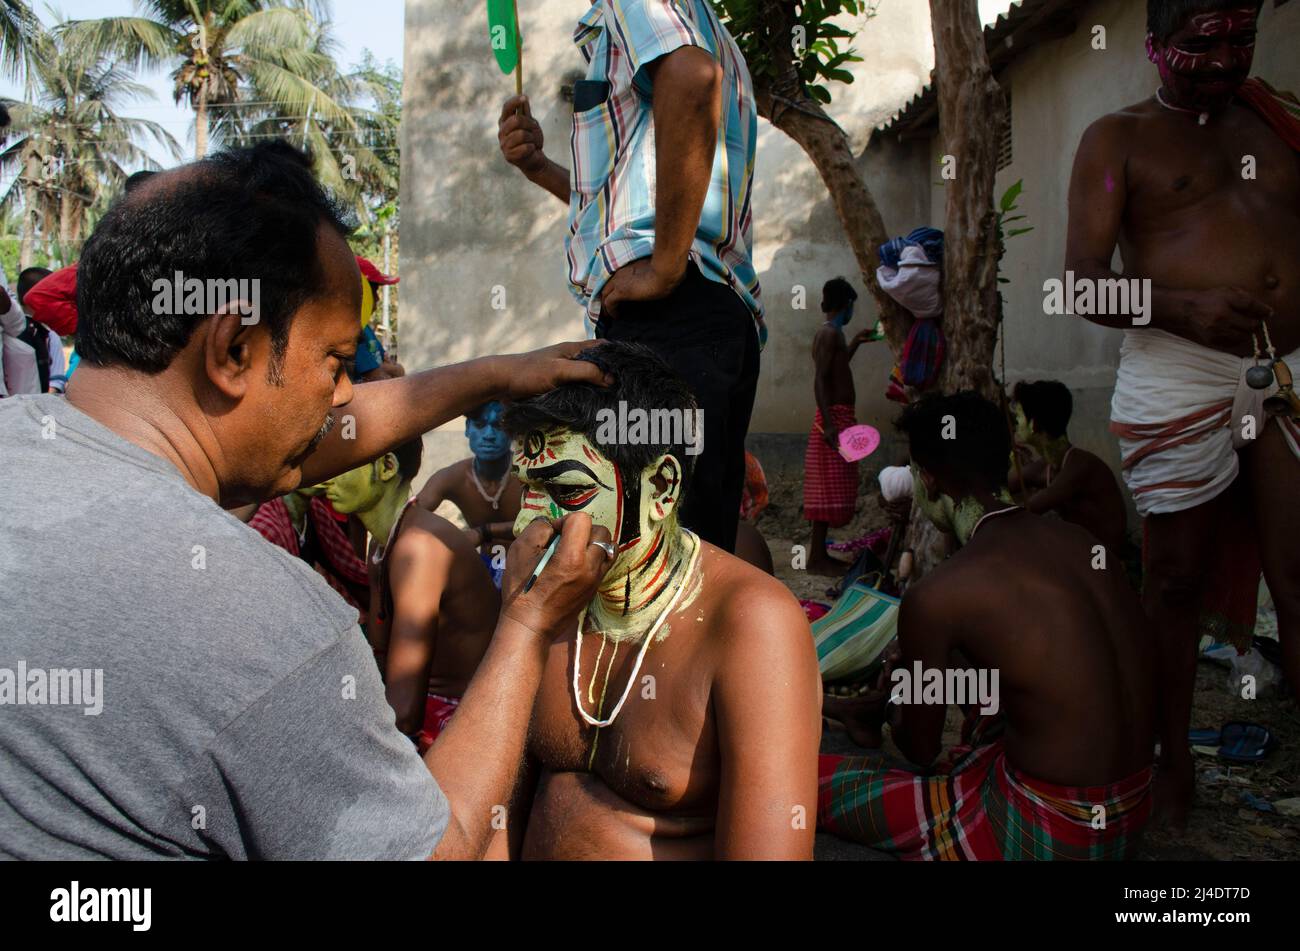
373	274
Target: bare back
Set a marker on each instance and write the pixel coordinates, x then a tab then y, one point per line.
831	365
1069	642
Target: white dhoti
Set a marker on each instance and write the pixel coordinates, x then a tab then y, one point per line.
1182	412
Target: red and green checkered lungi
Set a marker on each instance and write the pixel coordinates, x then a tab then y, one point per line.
981	808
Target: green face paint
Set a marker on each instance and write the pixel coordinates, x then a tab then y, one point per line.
357	490
1024	432
564	472
955	518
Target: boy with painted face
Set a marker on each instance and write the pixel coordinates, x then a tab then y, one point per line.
1023	600
434	606
681	717
482	486
1065	479
1199	187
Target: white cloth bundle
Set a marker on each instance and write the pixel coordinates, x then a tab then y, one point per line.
895	483
917	283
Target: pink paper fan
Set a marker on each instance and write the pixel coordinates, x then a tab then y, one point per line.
858	442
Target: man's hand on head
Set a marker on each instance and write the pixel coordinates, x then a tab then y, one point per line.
639	281
528	374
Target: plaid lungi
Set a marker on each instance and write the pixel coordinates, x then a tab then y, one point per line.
830	485
982	809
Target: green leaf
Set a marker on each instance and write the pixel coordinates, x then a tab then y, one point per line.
1016	231
1012	193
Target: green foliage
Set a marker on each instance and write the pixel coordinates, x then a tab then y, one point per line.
818	48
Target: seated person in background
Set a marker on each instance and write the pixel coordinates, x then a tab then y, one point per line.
1064	770
435	606
482	486
681	717
372	363
305	525
33	352
1065	479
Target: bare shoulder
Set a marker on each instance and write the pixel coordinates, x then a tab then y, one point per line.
750	603
1113	131
427	534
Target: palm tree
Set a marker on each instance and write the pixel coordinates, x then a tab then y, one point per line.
17	23
70	144
221	50
351	133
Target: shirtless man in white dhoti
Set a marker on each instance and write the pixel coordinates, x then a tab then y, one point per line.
1167	179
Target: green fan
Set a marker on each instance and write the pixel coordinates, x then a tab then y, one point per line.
507	43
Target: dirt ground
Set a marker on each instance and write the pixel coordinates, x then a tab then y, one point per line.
1224	823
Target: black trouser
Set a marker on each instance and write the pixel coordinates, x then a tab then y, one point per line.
707	335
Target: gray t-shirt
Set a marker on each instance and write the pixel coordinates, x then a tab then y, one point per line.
215	698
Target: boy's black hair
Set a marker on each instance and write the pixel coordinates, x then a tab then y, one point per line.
837	294
642	380
409	457
977	454
1047	404
28	278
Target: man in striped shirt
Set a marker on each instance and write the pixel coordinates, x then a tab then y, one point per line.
660	225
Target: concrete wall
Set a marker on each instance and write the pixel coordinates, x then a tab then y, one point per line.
471	223
1057	90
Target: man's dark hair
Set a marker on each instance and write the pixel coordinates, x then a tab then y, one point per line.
409	456
978	451
137	179
836	295
1166	17
1047	404
28	278
642	380
4	116
476	414
240	214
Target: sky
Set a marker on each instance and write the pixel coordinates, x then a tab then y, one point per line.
376	25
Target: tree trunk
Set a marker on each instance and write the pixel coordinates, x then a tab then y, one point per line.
201	124
972	111
27	251
967	91
782	102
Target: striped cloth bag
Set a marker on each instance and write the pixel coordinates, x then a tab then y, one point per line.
856	631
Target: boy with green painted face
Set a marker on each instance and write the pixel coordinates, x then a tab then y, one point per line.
1067	480
433	604
681	716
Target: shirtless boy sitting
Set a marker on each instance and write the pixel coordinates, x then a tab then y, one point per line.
434	605
1063	647
681	718
1065	479
482	486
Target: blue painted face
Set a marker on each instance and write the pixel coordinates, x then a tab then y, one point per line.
487	440
843	317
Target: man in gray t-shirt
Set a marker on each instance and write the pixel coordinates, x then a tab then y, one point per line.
170	684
